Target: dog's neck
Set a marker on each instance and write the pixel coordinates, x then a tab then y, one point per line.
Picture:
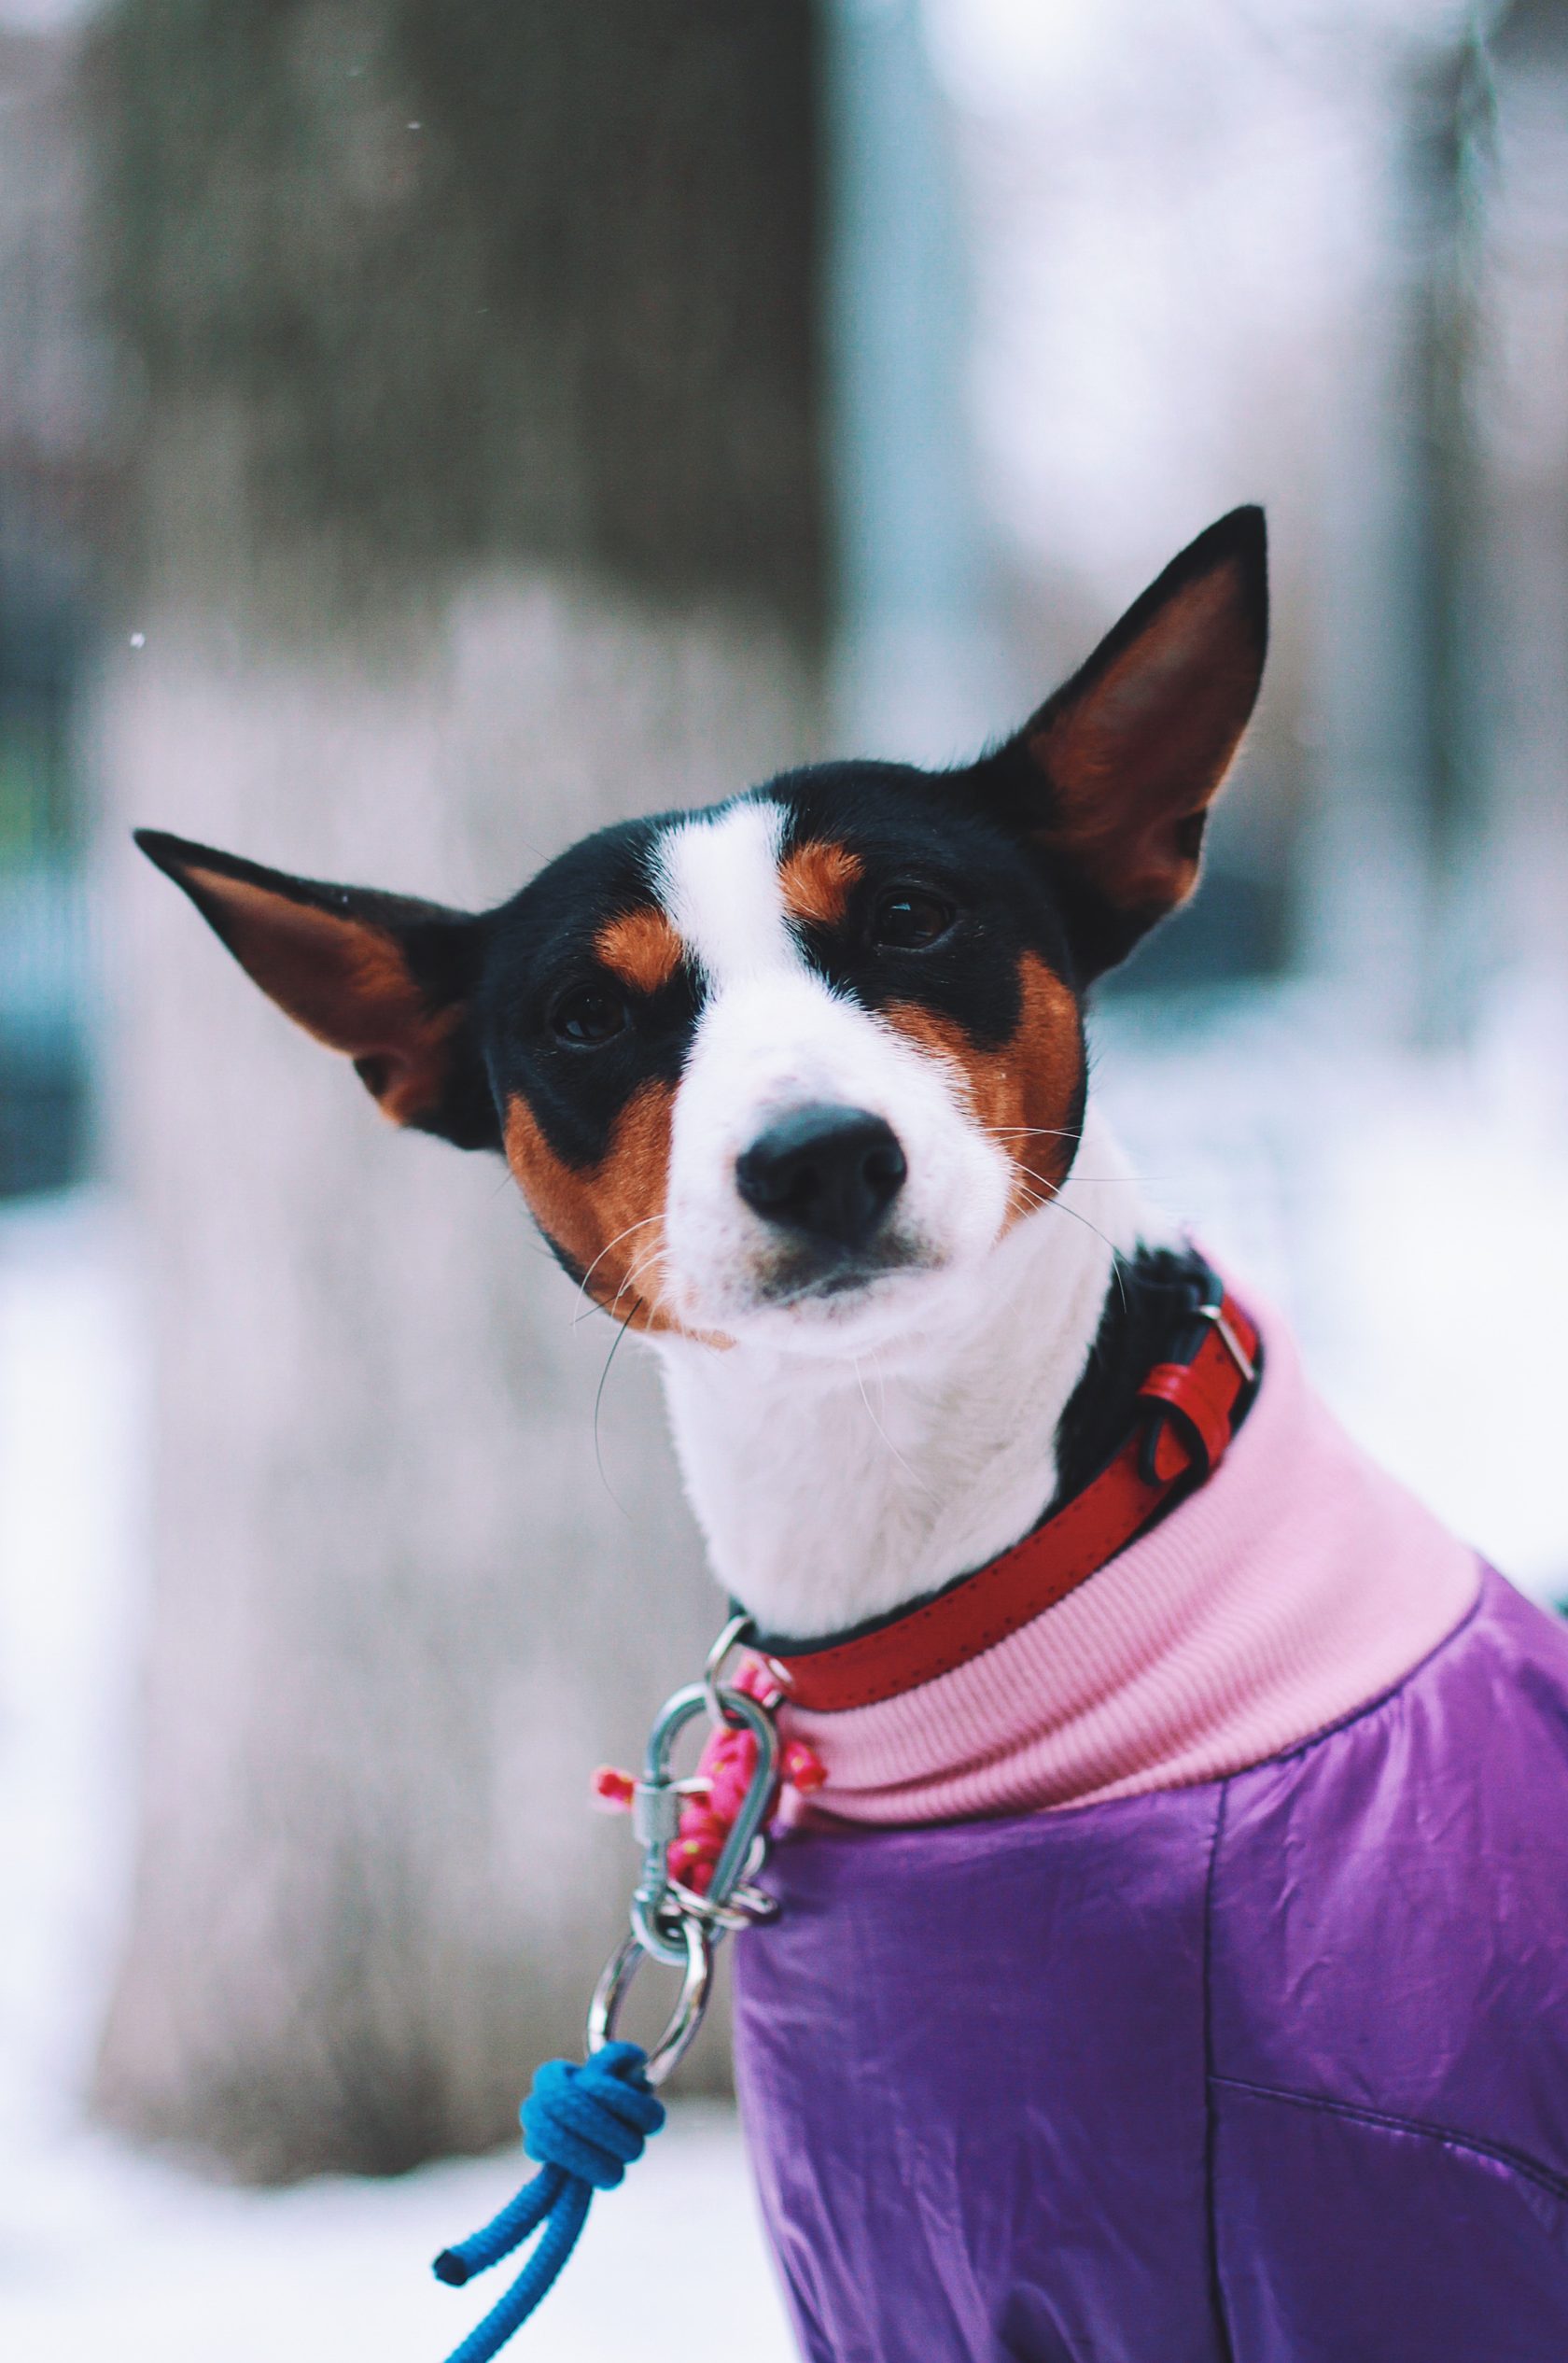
834	1491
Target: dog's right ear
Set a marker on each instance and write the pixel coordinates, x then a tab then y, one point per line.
1112	779
387	980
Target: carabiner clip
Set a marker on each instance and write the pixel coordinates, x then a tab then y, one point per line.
656	1811
669	1924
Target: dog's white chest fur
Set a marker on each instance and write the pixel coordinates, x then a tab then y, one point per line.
832	1490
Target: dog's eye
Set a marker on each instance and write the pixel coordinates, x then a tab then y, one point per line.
589	1014
907	921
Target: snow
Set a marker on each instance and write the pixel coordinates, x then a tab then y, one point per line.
70	1469
102	2254
1406	1212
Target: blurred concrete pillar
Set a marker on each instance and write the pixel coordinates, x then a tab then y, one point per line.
1449	148
1363	861
1524	426
476	503
1400	907
917	669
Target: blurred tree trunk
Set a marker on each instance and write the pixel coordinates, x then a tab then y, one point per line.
477	504
1524	427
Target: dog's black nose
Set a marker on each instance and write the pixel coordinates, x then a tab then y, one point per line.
829	1172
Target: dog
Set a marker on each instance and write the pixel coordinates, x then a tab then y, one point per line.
1174	1967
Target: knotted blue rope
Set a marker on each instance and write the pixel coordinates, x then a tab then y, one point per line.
584	2125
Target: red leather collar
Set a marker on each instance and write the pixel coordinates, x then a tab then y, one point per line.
1178	1440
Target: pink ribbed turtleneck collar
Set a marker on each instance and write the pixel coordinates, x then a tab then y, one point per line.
1299	1583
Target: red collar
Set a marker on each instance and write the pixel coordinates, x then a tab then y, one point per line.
1194	1402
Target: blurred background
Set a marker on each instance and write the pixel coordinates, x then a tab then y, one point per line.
430	429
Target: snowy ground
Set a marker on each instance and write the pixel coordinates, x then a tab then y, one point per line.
1410	1216
104	2256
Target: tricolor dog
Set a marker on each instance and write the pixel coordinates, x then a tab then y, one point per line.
1174	1967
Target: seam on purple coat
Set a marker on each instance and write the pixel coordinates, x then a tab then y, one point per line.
1210	2198
1557	2185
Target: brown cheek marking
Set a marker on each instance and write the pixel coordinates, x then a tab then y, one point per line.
817	880
1024	1094
587	1212
347	985
641	948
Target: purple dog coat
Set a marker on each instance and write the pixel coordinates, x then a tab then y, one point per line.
1270	2067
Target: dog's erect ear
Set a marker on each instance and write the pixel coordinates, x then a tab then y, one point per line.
1115	775
388	979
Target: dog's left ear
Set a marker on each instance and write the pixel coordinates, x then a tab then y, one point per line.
388	980
1114	777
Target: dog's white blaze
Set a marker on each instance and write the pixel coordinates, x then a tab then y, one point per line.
774	1036
717	879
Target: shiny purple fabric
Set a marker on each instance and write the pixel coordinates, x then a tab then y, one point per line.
1273	2070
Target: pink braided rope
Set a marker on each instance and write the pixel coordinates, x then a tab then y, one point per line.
727	1762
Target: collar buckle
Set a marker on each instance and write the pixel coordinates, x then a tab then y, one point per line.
1191	1397
1215	1312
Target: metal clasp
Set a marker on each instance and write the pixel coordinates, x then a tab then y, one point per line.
669	1924
1213	1310
690	2004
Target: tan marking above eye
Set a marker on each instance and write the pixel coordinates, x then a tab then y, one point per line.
609	1217
1024	1095
817	881
641	948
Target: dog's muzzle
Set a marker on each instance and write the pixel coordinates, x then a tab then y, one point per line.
824	1174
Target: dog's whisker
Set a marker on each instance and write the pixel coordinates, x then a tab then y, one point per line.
1116	1257
607	1249
892	1448
655	1302
1055	1198
598	1401
1035	1131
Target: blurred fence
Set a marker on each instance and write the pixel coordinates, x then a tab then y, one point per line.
43	1032
44	1014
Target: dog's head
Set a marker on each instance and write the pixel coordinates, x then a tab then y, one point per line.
784	1068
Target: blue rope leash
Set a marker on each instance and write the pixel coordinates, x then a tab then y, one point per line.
584	2125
